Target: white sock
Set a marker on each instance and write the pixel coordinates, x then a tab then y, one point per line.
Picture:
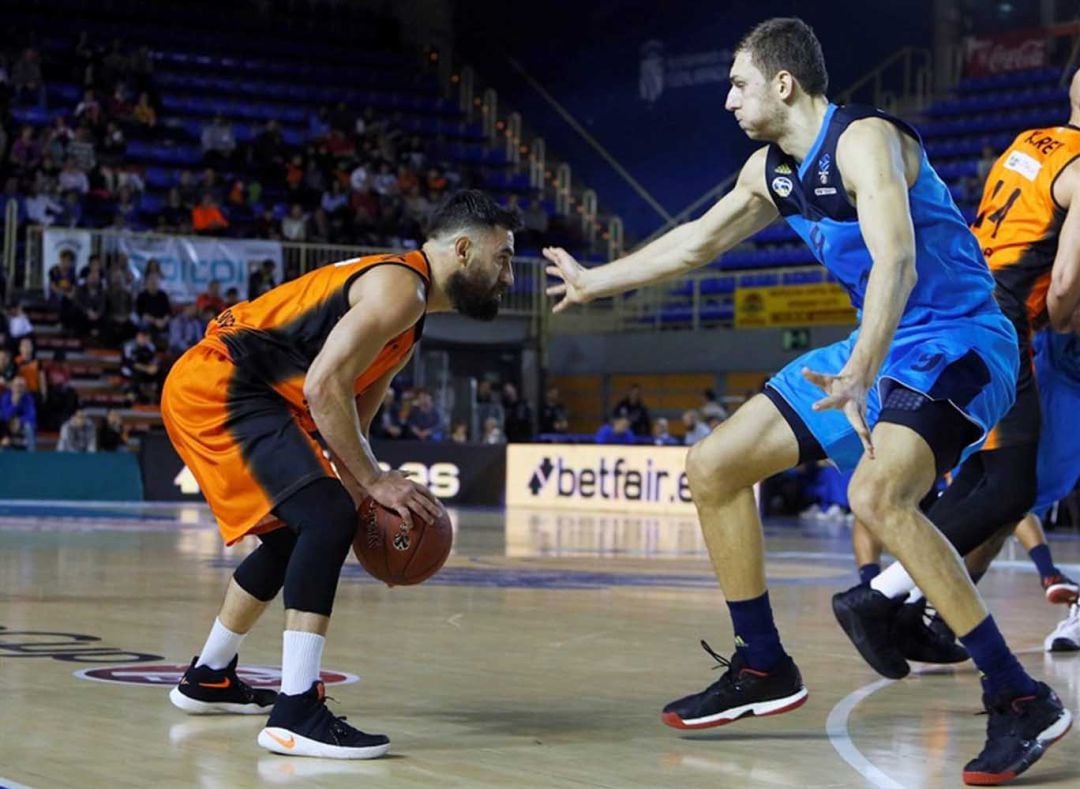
894	581
916	595
221	646
301	659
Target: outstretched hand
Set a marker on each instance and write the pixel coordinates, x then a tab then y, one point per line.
566	268
845	392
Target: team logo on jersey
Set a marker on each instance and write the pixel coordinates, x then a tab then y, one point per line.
824	164
782	186
783	169
1027	166
822	191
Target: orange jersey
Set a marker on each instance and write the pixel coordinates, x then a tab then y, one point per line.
1019	221
234	404
278	335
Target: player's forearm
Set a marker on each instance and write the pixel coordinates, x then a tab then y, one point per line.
333	410
1062	302
678	251
887	291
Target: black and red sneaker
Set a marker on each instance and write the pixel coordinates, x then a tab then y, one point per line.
869	619
301	725
208	691
926	638
1017	734
739	692
1060	589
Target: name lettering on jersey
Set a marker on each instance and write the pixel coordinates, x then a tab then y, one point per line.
1044	143
782	186
825	190
823	166
783	169
1027	166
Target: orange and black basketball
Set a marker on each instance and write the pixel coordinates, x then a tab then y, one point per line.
395	556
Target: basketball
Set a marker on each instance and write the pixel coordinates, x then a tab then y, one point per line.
396	557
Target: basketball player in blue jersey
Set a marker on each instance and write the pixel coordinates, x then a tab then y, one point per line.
914	390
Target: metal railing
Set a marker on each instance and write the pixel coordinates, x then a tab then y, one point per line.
525	298
901	84
703	300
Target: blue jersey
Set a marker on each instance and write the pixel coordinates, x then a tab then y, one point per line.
954	280
1059	353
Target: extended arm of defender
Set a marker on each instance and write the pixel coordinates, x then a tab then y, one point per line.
1063	297
743	211
871	159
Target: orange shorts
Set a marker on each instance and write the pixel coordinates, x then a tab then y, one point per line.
240	439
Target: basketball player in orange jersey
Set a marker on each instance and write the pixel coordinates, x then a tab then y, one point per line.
1028	226
314	355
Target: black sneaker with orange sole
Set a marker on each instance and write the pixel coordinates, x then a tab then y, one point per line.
1018	733
740	692
207	691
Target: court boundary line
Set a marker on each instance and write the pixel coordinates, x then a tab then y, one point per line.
836	727
7	783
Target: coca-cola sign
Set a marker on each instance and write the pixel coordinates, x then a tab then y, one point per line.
1016	51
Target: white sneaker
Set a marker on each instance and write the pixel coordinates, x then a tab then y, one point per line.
1066	636
813	512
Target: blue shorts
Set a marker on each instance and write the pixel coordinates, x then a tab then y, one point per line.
1058	467
971	363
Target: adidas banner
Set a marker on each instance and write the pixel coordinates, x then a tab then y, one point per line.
598	477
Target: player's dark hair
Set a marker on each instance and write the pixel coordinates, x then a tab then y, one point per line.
788	44
471	208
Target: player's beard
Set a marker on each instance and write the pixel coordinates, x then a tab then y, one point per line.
473	297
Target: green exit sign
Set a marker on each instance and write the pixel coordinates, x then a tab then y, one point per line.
796	339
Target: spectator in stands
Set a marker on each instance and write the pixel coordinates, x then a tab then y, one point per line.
417	209
207	217
93	263
89	109
633	409
436	183
89	305
31	369
695	429
387	422
78	434
986	162
424	421
711	406
113	434
11	195
62	278
553	417
140	367
18	417
218	142
185	329
487	404
19	325
71	211
27	80
385	183
518	415
113	145
189	189
153	308
8	370
126	210
459	432
210	300
232	296
144	113
294	225
492	433
660	435
261	279
25	153
174	217
617	431
57	139
61	401
119	306
73	179
41	208
82	149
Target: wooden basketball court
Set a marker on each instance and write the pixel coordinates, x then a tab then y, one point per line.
540	656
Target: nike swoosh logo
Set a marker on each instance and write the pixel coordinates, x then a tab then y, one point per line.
223	684
289	743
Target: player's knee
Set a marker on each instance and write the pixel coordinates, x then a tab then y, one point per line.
336	520
873	498
707	475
